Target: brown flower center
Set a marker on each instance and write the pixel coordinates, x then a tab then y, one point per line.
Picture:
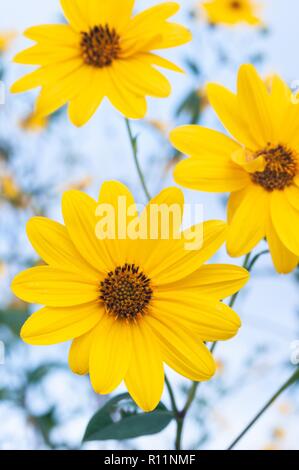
126	292
100	46
280	169
236	5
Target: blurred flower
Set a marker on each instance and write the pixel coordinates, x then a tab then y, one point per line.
121	299
34	122
11	192
260	168
232	12
2	269
158	126
102	52
6	38
279	433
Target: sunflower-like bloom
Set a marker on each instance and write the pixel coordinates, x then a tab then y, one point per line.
103	51
129	305
231	12
260	167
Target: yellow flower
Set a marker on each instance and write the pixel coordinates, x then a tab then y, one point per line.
6	38
260	167
104	51
129	305
34	122
231	12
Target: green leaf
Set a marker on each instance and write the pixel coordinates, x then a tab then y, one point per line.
130	423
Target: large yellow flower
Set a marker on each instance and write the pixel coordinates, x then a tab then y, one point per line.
129	305
231	12
104	51
260	167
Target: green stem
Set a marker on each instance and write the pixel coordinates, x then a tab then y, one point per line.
293	379
171	396
133	141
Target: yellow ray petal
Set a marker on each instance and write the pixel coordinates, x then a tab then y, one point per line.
176	261
154	59
54	287
85	104
76	12
79	353
283	259
117	196
145	376
212	280
285	219
248	225
54	96
52	242
79	212
182	350
225	104
53	34
44	54
116	14
210	319
57	325
142	78
211	167
46	75
110	354
292	194
234	201
254	101
129	104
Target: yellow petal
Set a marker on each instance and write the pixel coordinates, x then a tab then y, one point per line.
46	75
117	196
142	78
292	194
212	280
52	242
53	34
177	261
83	106
210	319
225	104
285	219
57	325
79	212
110	354
254	101
145	376
54	96
79	353
76	12
283	259
128	103
211	167
54	287
116	14
248	225
182	350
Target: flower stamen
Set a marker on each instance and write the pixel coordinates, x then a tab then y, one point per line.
280	169
126	292
100	46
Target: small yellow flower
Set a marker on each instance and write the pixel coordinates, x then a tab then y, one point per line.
103	51
232	12
34	122
260	167
128	305
6	39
